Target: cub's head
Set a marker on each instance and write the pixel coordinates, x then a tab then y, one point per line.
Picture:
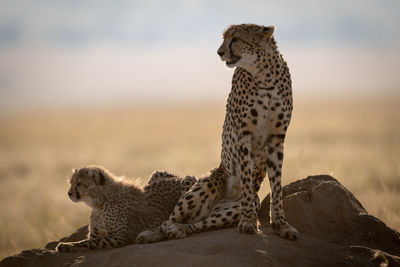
86	183
245	45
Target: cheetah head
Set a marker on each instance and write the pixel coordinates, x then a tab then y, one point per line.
85	183
245	45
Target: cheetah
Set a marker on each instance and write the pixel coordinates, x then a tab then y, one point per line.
258	113
123	213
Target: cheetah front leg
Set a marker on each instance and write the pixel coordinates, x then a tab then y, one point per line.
274	167
248	215
82	245
89	244
259	173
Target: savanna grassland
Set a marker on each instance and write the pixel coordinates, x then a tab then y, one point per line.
355	140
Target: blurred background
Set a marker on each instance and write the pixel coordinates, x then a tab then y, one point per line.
137	86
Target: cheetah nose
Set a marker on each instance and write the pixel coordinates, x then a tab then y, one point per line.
220	53
69	193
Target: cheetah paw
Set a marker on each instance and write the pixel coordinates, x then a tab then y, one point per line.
147	237
285	230
165	225
247	226
173	230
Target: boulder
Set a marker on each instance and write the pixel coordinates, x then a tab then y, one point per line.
335	230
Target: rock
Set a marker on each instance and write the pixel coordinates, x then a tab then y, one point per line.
321	207
335	230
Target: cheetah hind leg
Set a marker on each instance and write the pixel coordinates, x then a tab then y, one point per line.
222	215
192	207
157	176
187	183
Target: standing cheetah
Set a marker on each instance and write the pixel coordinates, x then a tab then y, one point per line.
123	213
258	113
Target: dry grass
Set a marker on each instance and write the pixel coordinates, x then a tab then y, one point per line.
357	142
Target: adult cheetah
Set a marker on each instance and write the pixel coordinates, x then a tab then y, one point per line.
258	113
123	213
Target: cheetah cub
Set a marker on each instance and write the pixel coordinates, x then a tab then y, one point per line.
123	213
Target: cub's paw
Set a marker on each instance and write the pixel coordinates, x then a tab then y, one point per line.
147	237
285	230
65	247
248	226
165	225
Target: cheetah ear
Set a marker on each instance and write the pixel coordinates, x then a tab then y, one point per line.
74	171
100	177
268	32
96	175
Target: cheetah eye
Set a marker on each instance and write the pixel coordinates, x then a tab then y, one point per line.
234	39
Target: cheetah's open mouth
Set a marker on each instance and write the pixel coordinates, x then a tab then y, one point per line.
234	60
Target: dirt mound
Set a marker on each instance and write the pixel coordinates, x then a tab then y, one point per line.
323	208
334	230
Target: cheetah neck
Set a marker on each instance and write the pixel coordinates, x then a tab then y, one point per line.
268	71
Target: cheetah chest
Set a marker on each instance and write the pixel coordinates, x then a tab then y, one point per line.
97	224
262	118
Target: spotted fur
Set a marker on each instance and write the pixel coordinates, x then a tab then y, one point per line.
258	114
123	213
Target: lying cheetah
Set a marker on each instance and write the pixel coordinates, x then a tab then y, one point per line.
258	113
123	213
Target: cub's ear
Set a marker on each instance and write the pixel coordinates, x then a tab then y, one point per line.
268	32
101	179
97	175
74	171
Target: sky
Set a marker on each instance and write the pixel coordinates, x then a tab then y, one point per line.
77	53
